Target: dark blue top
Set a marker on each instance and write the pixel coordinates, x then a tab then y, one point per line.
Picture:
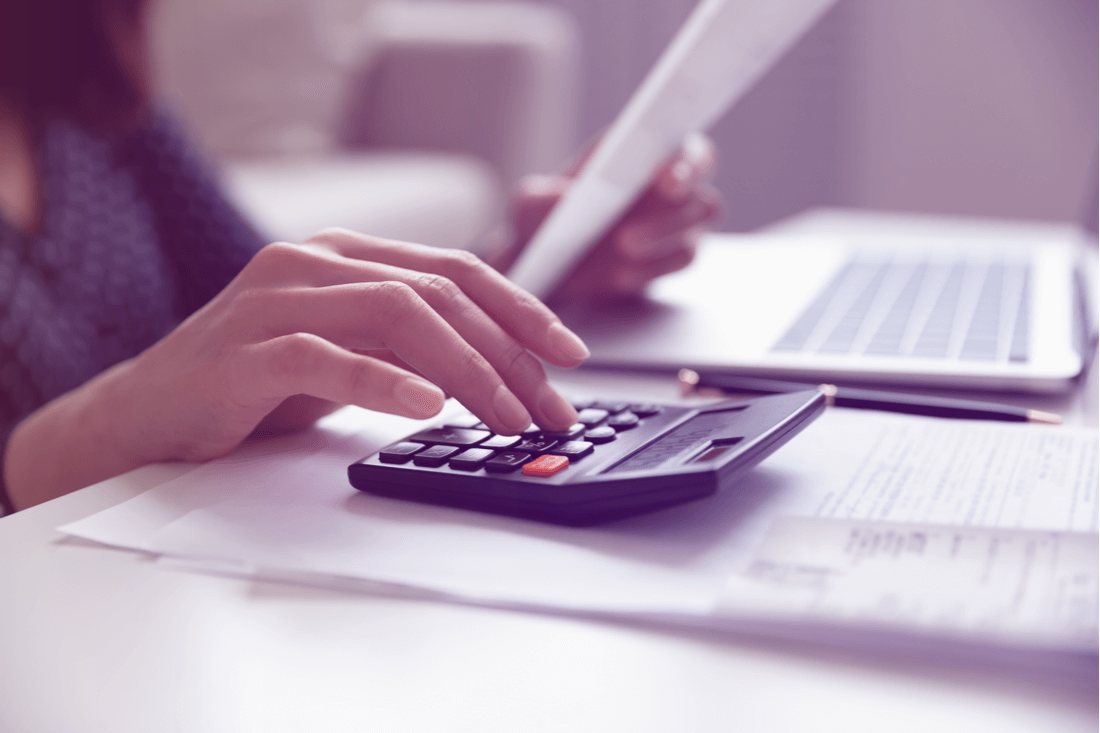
134	235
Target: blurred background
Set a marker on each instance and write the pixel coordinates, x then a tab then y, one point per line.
414	118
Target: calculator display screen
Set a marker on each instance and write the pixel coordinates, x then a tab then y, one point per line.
682	443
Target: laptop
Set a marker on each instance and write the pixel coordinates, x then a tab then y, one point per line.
875	299
929	302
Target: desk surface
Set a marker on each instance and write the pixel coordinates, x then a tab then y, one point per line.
95	639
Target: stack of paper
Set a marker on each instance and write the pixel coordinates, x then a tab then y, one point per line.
865	524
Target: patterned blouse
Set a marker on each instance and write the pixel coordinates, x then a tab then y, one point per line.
134	236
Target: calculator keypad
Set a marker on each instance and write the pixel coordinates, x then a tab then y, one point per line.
400	453
462	444
601	434
506	461
471	459
545	466
434	456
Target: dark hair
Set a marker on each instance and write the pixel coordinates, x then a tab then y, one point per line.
83	59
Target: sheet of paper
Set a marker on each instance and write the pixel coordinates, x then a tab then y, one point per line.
950	472
722	50
285	507
1024	587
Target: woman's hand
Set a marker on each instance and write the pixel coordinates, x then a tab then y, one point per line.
342	319
656	236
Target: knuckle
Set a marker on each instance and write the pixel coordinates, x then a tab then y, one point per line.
275	252
294	354
248	302
394	301
520	363
331	236
438	286
358	378
278	257
473	366
458	263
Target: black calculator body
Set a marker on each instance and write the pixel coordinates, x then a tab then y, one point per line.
619	460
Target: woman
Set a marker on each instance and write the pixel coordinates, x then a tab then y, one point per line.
142	320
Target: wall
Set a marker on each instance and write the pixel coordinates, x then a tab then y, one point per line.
959	106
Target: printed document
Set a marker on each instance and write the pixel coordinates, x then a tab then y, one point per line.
993	584
283	508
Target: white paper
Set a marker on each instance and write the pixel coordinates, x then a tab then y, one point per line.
1021	587
953	472
283	509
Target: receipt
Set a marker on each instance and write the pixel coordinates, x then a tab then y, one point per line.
1036	588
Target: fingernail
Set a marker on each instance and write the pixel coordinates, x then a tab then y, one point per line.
510	411
421	398
567	343
555	408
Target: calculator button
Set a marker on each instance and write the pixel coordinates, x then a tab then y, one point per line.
506	461
451	436
592	417
399	453
500	441
573	449
602	434
537	445
645	409
611	407
579	405
434	456
470	459
467	421
544	466
624	421
531	429
573	432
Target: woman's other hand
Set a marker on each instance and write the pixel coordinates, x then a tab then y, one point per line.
656	236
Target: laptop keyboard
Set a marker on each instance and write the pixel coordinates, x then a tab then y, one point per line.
969	310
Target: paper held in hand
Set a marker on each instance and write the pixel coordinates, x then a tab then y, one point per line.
723	48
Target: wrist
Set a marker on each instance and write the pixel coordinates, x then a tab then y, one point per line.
93	426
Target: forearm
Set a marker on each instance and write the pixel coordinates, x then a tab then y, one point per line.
71	442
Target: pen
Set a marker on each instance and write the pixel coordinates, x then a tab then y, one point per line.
693	382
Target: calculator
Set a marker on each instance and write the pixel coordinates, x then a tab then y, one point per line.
620	458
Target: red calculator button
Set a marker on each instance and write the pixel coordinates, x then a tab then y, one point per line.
544	466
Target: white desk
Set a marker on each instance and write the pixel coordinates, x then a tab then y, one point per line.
93	639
